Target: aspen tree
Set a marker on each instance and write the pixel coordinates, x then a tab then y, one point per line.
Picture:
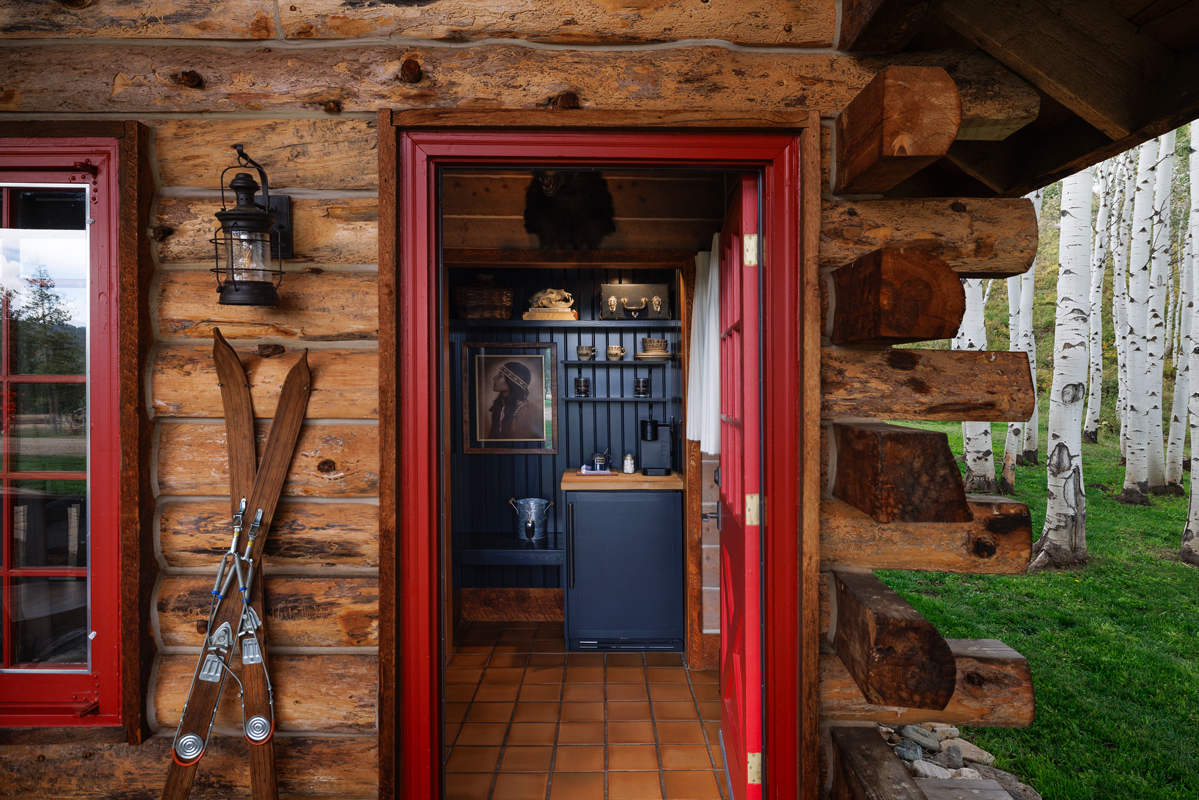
1176	443
1090	428
1120	253
1136	470
1190	548
1155	334
976	436
1015	430
1028	343
1064	538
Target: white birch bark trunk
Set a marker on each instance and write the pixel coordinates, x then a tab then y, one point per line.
1015	430
1120	294
1156	333
1028	343
1190	547
1064	538
1136	470
1090	428
1176	444
976	436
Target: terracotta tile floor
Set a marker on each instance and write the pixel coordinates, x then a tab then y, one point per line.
526	720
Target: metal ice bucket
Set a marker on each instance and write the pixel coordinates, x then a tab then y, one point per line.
531	515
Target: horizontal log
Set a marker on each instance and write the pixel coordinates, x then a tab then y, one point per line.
118	19
977	238
311	768
994	689
325	231
898	474
954	385
896	657
631	234
329	460
327	154
962	789
659	196
300	611
303	534
895	296
313	693
345	383
866	768
903	120
750	22
314	306
882	25
997	541
108	78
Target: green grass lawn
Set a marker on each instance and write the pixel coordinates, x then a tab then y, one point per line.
1113	646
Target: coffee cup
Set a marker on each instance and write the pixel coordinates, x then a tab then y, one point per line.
615	352
585	352
652	345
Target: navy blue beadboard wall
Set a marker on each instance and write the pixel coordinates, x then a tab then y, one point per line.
481	484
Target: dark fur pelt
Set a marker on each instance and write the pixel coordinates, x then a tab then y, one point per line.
569	210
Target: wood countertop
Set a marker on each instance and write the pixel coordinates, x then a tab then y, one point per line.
573	482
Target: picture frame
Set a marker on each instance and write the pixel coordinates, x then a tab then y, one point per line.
499	380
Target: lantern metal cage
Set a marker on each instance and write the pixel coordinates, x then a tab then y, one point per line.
249	247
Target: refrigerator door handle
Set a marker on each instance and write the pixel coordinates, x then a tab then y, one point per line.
570	543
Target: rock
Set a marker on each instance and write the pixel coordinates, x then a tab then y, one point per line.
885	731
894	738
970	752
926	769
1010	783
921	737
909	751
950	757
967	774
943	732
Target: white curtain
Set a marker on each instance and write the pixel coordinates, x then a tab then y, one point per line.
703	383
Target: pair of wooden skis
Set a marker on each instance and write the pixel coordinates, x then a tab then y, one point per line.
236	616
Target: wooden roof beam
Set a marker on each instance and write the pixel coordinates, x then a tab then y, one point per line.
1083	54
896	657
903	120
882	25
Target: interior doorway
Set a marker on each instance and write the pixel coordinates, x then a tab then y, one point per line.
426	448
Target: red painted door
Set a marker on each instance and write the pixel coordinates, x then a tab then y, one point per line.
741	685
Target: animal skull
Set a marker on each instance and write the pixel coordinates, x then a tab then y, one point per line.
552	298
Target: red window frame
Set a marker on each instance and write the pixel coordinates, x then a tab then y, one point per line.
91	695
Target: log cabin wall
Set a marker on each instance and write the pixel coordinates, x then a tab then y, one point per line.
298	83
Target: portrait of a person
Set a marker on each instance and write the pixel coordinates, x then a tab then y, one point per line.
511	393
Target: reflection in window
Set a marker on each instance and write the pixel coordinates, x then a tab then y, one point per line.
49	621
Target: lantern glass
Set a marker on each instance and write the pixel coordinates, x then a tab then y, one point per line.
248	256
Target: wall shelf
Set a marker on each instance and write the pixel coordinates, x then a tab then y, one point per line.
507	548
666	324
619	399
622	363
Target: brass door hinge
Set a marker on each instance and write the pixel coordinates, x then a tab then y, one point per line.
752	509
753	764
750	250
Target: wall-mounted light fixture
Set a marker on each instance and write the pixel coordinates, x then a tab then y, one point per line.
252	239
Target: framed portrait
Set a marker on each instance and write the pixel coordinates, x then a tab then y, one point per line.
510	397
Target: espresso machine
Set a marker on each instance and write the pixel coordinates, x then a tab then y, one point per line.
657	440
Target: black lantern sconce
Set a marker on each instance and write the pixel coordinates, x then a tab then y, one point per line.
252	240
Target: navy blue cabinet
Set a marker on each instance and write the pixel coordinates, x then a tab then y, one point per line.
624	570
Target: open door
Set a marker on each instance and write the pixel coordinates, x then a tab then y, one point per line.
741	680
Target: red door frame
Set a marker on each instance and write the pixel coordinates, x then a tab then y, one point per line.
790	423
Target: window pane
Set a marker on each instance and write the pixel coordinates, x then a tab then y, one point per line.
48	428
49	621
49	524
45	285
42	209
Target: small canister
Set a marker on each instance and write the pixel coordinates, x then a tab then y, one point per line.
629	466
